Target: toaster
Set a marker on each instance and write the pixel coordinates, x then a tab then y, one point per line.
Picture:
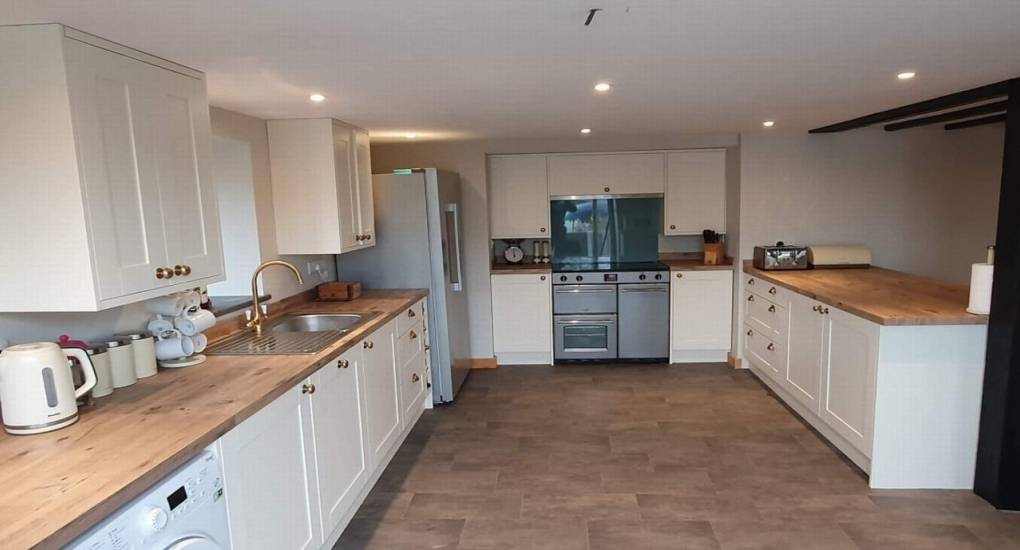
780	256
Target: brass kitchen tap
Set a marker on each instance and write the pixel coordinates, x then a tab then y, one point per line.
258	316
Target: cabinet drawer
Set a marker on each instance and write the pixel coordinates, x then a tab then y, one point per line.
412	386
766	316
410	316
410	342
767	353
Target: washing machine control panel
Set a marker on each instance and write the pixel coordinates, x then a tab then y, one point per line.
188	501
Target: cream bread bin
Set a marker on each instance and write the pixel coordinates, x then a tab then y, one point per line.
838	256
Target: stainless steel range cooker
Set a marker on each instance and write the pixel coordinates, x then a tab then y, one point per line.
608	312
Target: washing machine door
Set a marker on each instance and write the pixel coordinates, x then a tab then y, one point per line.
194	542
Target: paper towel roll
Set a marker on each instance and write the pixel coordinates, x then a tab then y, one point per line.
980	288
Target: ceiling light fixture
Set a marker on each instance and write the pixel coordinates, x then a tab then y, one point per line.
603	87
317	97
585	130
768	123
906	75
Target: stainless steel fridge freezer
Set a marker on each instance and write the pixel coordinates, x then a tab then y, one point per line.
419	245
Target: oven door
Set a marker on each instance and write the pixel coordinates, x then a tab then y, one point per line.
584	299
584	337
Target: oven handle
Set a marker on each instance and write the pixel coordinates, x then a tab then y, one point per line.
648	287
561	289
586	321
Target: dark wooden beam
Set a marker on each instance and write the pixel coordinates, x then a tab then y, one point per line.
976	122
951	101
987	109
997	476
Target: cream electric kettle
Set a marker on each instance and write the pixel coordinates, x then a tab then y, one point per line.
37	392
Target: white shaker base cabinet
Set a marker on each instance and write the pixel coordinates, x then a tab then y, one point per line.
701	311
901	402
522	331
296	471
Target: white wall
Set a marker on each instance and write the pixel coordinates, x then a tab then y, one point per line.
924	200
467	158
235	195
27	327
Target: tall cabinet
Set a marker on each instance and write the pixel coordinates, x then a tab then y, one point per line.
322	186
518	197
106	174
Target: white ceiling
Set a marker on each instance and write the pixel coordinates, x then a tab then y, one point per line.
523	68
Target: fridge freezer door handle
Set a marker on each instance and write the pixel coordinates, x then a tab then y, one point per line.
456	270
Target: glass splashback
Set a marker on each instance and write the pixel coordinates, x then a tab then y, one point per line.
606	230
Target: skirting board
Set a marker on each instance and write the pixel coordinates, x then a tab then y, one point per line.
524	358
484	363
698	356
734	361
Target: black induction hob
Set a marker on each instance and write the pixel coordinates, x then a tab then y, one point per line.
609	266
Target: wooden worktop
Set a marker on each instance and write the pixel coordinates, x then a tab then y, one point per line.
880	295
57	485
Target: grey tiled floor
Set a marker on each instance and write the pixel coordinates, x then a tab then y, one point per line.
634	457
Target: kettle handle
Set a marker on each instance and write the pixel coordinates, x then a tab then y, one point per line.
87	368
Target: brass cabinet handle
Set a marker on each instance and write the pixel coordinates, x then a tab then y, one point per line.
178	270
770	347
413	335
750	298
542	278
187	270
162	273
772	309
343	364
168	273
750	282
679	275
816	308
672	226
750	332
308	388
415	377
366	344
825	311
368	237
772	290
410	313
606	189
541	229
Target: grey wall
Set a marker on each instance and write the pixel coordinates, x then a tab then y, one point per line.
467	158
924	200
27	327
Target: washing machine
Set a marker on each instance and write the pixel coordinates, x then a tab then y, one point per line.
185	511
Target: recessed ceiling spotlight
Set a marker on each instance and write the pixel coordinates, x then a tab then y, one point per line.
317	97
585	130
906	75
768	123
410	135
603	87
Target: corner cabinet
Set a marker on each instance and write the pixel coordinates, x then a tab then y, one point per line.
695	197
322	186
701	310
296	471
522	318
106	174
518	197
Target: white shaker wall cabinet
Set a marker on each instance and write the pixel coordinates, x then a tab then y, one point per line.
522	318
606	174
322	186
695	191
518	197
108	198
701	309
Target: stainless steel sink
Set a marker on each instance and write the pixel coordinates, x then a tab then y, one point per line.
297	334
320	322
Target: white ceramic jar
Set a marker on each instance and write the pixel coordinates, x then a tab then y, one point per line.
122	363
145	353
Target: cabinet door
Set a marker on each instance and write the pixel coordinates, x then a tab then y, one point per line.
579	175
382	402
701	305
363	174
518	197
637	173
113	106
344	155
848	392
804	369
340	450
268	477
522	313
190	215
695	191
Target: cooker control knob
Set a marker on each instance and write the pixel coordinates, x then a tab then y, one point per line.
642	277
154	521
658	276
563	278
579	278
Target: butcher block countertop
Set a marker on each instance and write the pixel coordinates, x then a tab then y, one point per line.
880	295
697	265
59	484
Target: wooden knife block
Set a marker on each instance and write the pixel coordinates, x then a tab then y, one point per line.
340	291
713	253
